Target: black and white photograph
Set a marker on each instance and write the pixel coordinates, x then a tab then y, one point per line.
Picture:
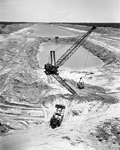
59	74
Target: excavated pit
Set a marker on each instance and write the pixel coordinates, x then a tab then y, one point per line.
27	100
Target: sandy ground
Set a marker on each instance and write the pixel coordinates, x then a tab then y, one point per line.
28	100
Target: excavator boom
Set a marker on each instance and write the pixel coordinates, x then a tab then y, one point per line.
63	83
73	48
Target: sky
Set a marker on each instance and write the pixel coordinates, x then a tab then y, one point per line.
60	10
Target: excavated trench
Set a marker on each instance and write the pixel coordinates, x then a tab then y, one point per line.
27	102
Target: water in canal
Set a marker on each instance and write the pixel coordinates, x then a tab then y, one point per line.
76	62
51	31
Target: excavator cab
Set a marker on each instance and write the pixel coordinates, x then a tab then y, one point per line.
51	68
57	117
81	84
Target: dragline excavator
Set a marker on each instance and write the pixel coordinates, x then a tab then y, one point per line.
52	67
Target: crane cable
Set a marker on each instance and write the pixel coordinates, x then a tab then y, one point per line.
85	64
62	46
56	50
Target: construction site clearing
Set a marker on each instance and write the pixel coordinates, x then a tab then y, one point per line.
27	100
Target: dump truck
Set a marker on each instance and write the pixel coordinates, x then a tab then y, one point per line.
57	117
